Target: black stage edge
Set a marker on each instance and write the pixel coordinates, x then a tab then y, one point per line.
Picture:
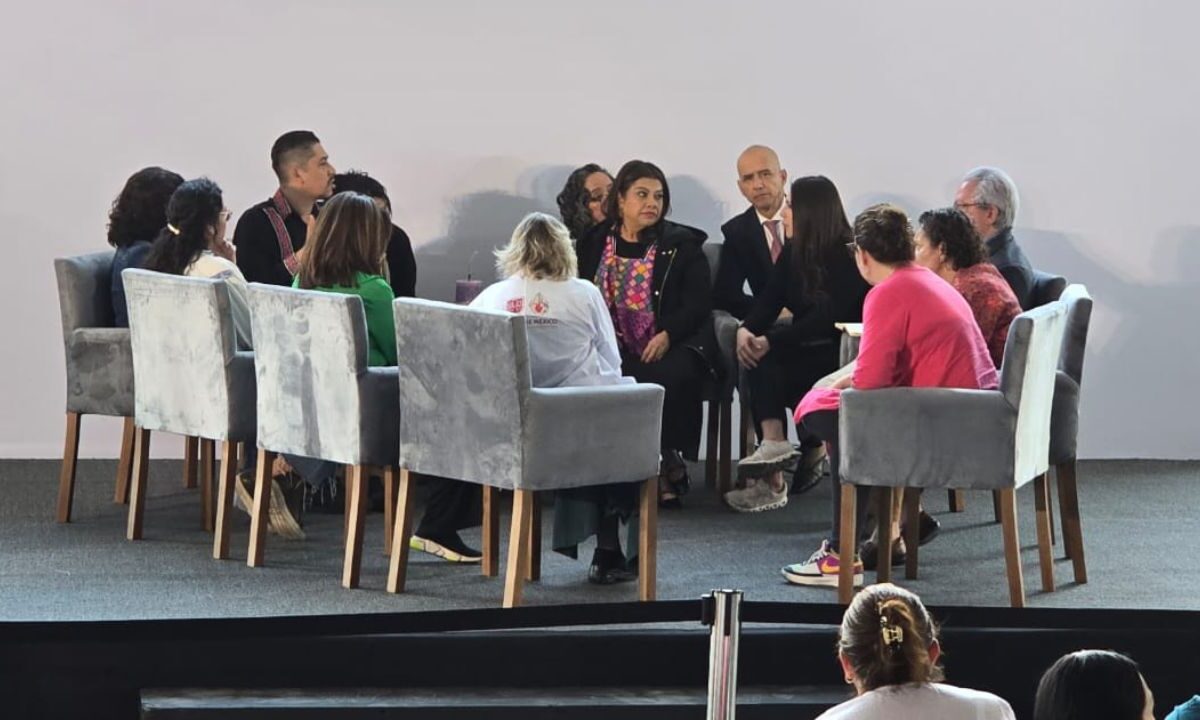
547	655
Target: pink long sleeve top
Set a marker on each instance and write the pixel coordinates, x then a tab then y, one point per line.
918	331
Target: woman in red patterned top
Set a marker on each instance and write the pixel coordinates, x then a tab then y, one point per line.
947	244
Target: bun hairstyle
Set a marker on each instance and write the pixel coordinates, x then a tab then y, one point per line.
886	635
883	231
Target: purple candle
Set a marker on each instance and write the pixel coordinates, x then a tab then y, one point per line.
466	290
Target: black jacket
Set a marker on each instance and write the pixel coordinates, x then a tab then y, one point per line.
681	287
744	257
812	320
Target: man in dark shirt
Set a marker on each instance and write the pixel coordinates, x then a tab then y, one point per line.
402	265
754	238
988	196
270	234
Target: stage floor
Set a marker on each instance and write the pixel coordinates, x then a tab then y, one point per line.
1138	521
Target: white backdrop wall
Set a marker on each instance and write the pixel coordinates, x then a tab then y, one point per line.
473	112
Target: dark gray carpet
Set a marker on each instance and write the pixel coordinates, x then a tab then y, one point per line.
1139	527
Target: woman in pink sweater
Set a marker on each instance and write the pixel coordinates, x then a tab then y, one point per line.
918	331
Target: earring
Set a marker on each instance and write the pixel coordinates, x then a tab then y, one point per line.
849	680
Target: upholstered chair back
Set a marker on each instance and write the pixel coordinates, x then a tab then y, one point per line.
98	358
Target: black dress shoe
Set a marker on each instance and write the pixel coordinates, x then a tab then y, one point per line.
929	528
870	554
609	568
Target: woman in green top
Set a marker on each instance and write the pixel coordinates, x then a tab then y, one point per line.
346	253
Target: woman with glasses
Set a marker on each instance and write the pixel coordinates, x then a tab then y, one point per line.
583	202
816	279
193	244
918	331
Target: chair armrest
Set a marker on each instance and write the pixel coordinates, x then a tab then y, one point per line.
379	399
726	326
927	437
100	371
243	397
579	436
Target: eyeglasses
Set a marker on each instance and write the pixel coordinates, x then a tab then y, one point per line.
226	215
596	198
963	206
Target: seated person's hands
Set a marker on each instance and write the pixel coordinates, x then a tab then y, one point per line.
657	347
751	348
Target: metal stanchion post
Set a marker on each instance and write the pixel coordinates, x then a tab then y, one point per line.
722	611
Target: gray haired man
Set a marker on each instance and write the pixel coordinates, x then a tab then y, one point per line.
988	197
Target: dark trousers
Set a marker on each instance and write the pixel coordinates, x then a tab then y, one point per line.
782	378
824	425
450	506
681	372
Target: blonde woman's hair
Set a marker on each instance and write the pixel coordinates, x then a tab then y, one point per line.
540	249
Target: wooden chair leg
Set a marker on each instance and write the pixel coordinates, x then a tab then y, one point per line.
491	531
518	548
1050	509
725	479
912	531
191	448
125	464
352	564
1068	503
391	477
710	444
66	476
1007	500
533	567
1041	491
260	513
847	544
225	491
996	505
648	541
401	532
207	513
137	489
883	523
746	436
957	500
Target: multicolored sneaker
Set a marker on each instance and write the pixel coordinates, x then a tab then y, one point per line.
821	569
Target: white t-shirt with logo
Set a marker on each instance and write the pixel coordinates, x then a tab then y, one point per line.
569	330
928	701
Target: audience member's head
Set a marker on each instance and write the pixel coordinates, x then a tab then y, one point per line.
363	184
302	165
988	196
140	211
819	229
761	180
888	638
883	241
946	242
1091	684
350	236
640	198
583	201
540	249
196	220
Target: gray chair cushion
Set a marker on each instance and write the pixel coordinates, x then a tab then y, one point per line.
972	439
99	362
189	379
471	414
316	395
1047	288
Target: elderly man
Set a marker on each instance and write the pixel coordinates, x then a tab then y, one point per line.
753	239
988	196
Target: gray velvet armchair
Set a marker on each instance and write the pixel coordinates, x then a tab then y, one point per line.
719	395
996	440
99	365
191	381
318	398
470	413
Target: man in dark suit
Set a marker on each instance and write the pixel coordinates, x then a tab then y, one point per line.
753	239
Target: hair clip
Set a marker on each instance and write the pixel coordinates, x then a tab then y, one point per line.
174	230
893	636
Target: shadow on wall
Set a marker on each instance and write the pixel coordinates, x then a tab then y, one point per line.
910	205
1140	367
481	222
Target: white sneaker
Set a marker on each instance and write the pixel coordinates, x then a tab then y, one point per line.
771	455
757	496
821	569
